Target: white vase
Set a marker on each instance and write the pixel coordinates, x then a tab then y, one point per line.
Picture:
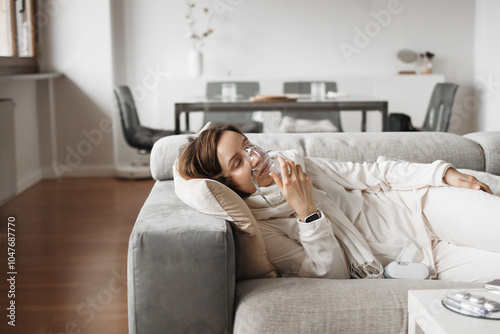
195	63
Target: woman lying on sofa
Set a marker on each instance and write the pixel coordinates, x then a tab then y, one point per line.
324	218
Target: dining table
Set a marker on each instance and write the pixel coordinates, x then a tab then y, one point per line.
361	104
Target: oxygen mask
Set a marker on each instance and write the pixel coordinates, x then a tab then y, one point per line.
261	164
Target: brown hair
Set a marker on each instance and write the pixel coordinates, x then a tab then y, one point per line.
198	158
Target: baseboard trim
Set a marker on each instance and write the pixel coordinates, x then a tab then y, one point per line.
133	172
24	182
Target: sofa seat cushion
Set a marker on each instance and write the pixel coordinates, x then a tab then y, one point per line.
309	305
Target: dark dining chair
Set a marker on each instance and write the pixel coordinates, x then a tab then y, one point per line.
137	136
245	90
304	87
438	112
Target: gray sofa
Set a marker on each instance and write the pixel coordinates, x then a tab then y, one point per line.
181	263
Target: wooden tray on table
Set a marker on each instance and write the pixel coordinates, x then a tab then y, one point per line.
272	98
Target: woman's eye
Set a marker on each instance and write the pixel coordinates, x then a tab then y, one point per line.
237	164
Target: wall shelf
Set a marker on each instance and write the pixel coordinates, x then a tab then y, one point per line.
30	76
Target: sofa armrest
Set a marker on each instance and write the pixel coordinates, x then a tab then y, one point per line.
181	268
490	143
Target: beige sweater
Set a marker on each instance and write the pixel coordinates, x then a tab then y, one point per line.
369	214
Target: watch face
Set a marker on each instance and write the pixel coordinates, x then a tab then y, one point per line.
312	217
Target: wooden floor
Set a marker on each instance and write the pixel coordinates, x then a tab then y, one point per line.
71	255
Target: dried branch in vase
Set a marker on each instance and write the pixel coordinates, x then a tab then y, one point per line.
196	38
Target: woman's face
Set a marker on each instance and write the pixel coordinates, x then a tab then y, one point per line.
236	166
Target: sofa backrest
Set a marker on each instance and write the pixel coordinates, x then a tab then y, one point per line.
424	147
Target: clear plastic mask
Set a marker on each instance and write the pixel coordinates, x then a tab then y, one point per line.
261	164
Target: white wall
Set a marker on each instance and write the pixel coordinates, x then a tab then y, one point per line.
76	41
486	65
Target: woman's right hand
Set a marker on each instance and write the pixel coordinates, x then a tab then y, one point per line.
296	187
454	178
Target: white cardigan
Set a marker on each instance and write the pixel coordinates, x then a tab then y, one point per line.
369	211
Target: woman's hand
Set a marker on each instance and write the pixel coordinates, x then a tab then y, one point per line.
454	178
296	187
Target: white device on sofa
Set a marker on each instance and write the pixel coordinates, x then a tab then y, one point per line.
408	270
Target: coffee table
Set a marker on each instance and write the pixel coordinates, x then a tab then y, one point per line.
428	314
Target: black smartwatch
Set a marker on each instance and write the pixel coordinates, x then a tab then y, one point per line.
312	217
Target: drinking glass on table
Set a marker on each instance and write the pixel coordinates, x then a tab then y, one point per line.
317	91
229	92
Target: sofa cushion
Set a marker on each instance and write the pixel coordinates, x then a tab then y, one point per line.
215	199
489	142
423	147
309	305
